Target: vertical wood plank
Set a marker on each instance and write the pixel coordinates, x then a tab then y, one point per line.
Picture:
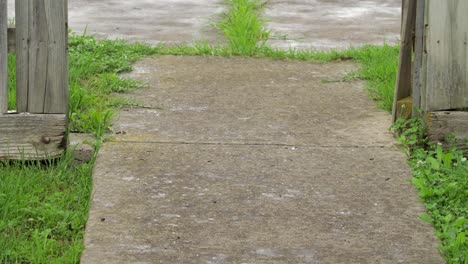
404	79
447	58
22	9
42	42
38	57
3	57
56	93
418	58
424	72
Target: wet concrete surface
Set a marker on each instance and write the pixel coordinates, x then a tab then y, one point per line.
150	21
316	24
327	24
272	103
253	161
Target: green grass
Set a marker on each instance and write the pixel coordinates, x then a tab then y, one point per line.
440	175
243	26
11	81
378	64
441	178
43	211
94	66
44	208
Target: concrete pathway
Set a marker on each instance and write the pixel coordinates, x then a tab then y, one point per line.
318	24
150	21
253	161
331	24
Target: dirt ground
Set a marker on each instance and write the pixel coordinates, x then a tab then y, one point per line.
253	161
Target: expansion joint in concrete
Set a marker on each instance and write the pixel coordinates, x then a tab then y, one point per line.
253	144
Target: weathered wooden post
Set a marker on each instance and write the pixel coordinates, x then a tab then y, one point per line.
3	57
444	93
439	87
37	130
41	54
403	89
418	75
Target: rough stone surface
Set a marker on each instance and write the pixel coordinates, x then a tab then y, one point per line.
253	161
82	146
331	24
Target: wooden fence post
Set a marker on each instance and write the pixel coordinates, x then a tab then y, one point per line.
446	83
22	59
42	81
444	91
3	57
418	78
404	79
43	59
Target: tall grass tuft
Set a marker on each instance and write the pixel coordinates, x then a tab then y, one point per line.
243	26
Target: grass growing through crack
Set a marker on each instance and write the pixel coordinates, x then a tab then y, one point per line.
378	64
44	208
243	26
439	175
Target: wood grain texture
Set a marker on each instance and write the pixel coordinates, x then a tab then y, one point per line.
43	57
22	9
404	107
404	78
32	137
418	56
3	57
56	96
38	55
440	125
11	40
447	59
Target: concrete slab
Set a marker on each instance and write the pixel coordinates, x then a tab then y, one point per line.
168	21
331	24
272	172
173	203
253	101
317	24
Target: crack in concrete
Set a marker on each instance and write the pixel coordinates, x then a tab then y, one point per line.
252	144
